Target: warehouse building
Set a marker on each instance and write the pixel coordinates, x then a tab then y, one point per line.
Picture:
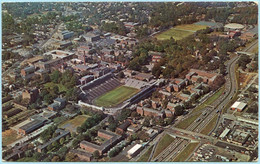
134	150
31	126
239	106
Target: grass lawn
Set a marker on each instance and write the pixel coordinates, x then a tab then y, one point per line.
163	144
180	32
210	126
192	27
115	96
60	86
146	155
209	100
27	159
186	152
72	125
185	123
9	136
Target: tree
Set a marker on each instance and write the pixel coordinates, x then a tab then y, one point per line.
80	130
70	157
121	74
62	141
178	110
55	159
47	98
146	122
96	154
55	76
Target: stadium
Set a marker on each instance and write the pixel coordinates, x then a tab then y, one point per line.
233	26
107	91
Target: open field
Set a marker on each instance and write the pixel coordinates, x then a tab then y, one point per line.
51	85
179	32
146	155
115	96
191	27
186	152
72	125
163	144
27	159
210	125
9	136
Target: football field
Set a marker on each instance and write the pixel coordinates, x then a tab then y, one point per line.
179	32
116	96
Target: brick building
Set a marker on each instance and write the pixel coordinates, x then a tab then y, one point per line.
123	127
112	139
31	94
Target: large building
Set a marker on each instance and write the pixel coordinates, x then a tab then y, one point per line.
209	78
27	72
134	150
91	37
63	35
233	26
31	126
30	94
60	54
239	106
58	104
112	139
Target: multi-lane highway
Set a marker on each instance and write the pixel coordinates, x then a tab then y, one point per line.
230	89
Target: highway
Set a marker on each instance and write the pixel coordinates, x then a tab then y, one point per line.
230	89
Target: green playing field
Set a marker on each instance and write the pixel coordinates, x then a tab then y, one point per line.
116	96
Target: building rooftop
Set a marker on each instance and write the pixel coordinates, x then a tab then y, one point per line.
134	149
239	105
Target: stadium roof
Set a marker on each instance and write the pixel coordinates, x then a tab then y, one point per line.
234	26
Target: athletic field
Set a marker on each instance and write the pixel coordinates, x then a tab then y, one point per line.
180	32
116	96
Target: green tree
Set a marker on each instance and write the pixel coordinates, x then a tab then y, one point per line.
96	154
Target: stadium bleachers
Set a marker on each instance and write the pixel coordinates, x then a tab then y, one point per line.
99	87
135	83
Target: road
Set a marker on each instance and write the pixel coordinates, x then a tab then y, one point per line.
230	89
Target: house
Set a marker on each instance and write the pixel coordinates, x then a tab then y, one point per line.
156	56
58	104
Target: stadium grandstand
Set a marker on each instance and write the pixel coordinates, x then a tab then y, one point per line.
138	84
98	87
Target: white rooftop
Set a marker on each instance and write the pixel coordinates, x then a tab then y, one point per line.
239	105
134	149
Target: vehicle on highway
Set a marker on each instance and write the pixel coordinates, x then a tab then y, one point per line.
198	120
